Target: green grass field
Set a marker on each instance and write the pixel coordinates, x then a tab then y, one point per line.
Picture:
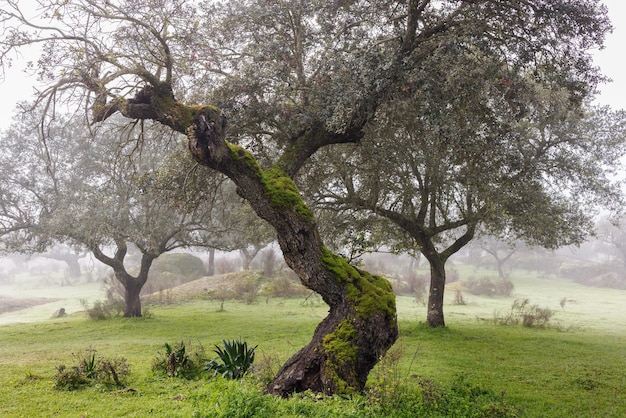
576	369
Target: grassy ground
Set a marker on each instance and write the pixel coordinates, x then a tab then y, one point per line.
577	369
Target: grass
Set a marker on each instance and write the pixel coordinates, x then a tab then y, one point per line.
540	372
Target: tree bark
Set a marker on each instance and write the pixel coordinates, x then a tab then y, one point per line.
362	322
132	284
434	316
211	266
132	289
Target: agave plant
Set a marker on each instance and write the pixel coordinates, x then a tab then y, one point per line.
233	361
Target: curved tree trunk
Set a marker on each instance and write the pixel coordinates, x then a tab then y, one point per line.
362	322
132	284
132	289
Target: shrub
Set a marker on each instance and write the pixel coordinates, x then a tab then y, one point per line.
529	315
284	286
426	398
233	361
176	361
487	287
90	369
246	289
103	309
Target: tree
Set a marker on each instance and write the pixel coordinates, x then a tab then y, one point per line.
69	256
500	250
522	159
295	78
89	197
611	233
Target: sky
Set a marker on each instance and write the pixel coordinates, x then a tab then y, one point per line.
16	86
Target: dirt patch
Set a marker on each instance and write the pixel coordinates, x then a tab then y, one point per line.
9	304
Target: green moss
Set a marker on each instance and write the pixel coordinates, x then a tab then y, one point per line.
368	293
341	350
239	153
283	193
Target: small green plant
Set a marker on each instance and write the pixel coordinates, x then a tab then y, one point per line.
89	364
235	359
177	361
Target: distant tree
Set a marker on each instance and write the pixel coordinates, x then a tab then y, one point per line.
89	197
500	250
69	256
612	234
484	145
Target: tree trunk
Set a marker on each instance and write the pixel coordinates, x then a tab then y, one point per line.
211	266
132	285
500	266
362	323
434	316
246	259
132	301
73	267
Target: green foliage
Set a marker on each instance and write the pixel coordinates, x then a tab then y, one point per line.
234	359
91	369
177	361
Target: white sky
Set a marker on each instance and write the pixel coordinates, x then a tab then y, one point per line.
16	86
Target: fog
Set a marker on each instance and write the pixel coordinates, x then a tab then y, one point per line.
581	283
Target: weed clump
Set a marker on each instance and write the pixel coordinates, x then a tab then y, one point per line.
179	361
529	315
91	369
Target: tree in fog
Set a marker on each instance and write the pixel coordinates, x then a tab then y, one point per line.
295	78
612	239
501	251
89	197
478	139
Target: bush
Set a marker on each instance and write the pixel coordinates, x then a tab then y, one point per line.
90	369
284	286
103	309
233	361
529	315
246	289
486	287
176	361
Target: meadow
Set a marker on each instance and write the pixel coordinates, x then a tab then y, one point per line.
574	367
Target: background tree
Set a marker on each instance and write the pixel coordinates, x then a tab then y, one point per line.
487	145
613	236
500	250
87	196
295	77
